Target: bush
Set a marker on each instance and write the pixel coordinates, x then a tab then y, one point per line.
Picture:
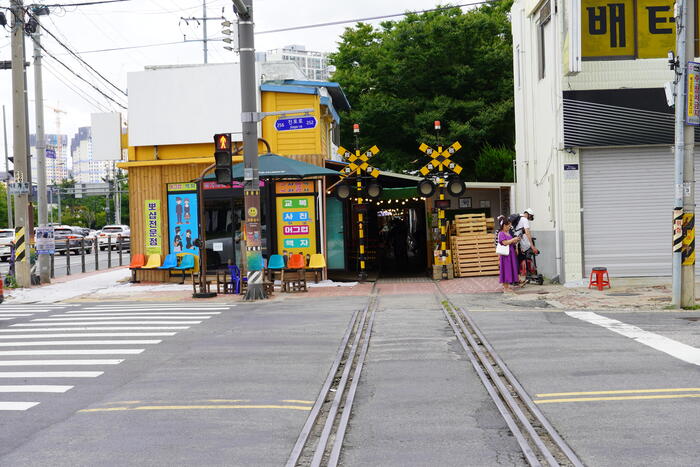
495	164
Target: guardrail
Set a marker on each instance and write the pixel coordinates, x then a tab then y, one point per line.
82	247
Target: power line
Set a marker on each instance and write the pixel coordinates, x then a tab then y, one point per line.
79	57
81	78
100	2
293	28
75	90
371	18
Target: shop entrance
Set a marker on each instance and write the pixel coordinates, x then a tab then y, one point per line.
401	232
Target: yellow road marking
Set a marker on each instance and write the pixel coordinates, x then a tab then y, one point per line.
616	398
298	401
621	391
195	407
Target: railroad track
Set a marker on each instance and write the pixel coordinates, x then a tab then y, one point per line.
321	438
539	441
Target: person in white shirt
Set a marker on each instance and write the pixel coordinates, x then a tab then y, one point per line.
523	229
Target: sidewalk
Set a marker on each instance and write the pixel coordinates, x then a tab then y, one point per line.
626	293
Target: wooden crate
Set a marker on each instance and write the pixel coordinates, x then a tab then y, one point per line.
470	223
474	255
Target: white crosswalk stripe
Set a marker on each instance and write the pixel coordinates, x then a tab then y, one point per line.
82	336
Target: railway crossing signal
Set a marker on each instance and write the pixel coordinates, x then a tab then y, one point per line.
442	167
358	170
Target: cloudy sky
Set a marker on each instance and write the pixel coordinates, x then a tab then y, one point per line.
88	30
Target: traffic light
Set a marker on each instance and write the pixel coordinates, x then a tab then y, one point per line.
455	186
222	158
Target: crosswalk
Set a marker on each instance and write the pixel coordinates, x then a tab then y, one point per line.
61	345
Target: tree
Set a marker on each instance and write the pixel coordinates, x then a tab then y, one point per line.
443	65
495	164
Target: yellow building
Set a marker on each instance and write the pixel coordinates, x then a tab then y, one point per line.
163	206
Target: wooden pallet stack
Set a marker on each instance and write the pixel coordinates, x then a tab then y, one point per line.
473	250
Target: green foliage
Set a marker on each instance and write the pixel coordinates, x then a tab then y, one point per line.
495	164
443	65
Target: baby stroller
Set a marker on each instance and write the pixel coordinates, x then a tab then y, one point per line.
528	268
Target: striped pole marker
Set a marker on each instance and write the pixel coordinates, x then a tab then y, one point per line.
677	229
20	244
688	250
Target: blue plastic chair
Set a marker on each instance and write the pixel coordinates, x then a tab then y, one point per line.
235	273
170	262
276	262
187	262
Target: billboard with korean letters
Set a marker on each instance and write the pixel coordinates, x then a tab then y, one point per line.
296	224
627	29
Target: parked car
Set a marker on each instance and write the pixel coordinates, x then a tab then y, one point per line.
7	236
114	232
70	239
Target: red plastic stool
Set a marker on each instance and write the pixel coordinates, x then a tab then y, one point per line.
601	278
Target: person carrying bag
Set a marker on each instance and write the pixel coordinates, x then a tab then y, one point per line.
507	256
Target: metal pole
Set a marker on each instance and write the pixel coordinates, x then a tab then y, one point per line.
204	25
60	214
19	143
10	219
688	258
678	154
44	260
249	118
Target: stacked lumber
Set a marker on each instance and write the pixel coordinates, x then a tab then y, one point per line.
473	250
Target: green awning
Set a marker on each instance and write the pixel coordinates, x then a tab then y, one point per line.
399	193
276	166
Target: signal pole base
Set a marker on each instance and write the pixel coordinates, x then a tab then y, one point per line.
255	292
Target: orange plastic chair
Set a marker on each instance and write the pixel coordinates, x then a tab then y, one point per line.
137	262
297	283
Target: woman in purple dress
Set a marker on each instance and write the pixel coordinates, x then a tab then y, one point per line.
508	265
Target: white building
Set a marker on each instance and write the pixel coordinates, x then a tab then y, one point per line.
594	134
85	169
57	158
313	64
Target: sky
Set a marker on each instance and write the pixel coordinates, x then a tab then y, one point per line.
142	22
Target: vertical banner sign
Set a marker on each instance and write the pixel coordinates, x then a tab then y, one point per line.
44	241
296	219
154	240
183	217
692	107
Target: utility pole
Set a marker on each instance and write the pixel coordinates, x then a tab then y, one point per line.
687	30
44	259
10	219
249	118
204	26
19	143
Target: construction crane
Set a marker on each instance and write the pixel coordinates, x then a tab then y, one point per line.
55	164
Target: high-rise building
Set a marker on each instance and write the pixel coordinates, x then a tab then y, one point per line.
85	169
313	64
57	158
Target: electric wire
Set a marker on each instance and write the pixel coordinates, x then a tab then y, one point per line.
106	96
64	80
78	57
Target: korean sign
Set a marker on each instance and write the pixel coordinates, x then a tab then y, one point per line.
627	29
296	224
692	109
44	241
152	223
300	186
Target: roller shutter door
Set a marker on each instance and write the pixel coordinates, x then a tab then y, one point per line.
627	196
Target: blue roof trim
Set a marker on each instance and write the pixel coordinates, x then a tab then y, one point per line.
286	88
340	101
329	104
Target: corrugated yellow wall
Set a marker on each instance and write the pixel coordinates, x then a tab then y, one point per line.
150	183
289	143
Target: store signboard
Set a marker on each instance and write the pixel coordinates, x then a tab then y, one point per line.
154	239
183	217
296	224
296	187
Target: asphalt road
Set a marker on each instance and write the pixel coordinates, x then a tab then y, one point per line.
220	384
61	266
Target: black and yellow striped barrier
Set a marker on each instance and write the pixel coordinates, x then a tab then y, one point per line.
688	249
20	244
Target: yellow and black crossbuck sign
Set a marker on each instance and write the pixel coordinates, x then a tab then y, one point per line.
441	159
359	162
